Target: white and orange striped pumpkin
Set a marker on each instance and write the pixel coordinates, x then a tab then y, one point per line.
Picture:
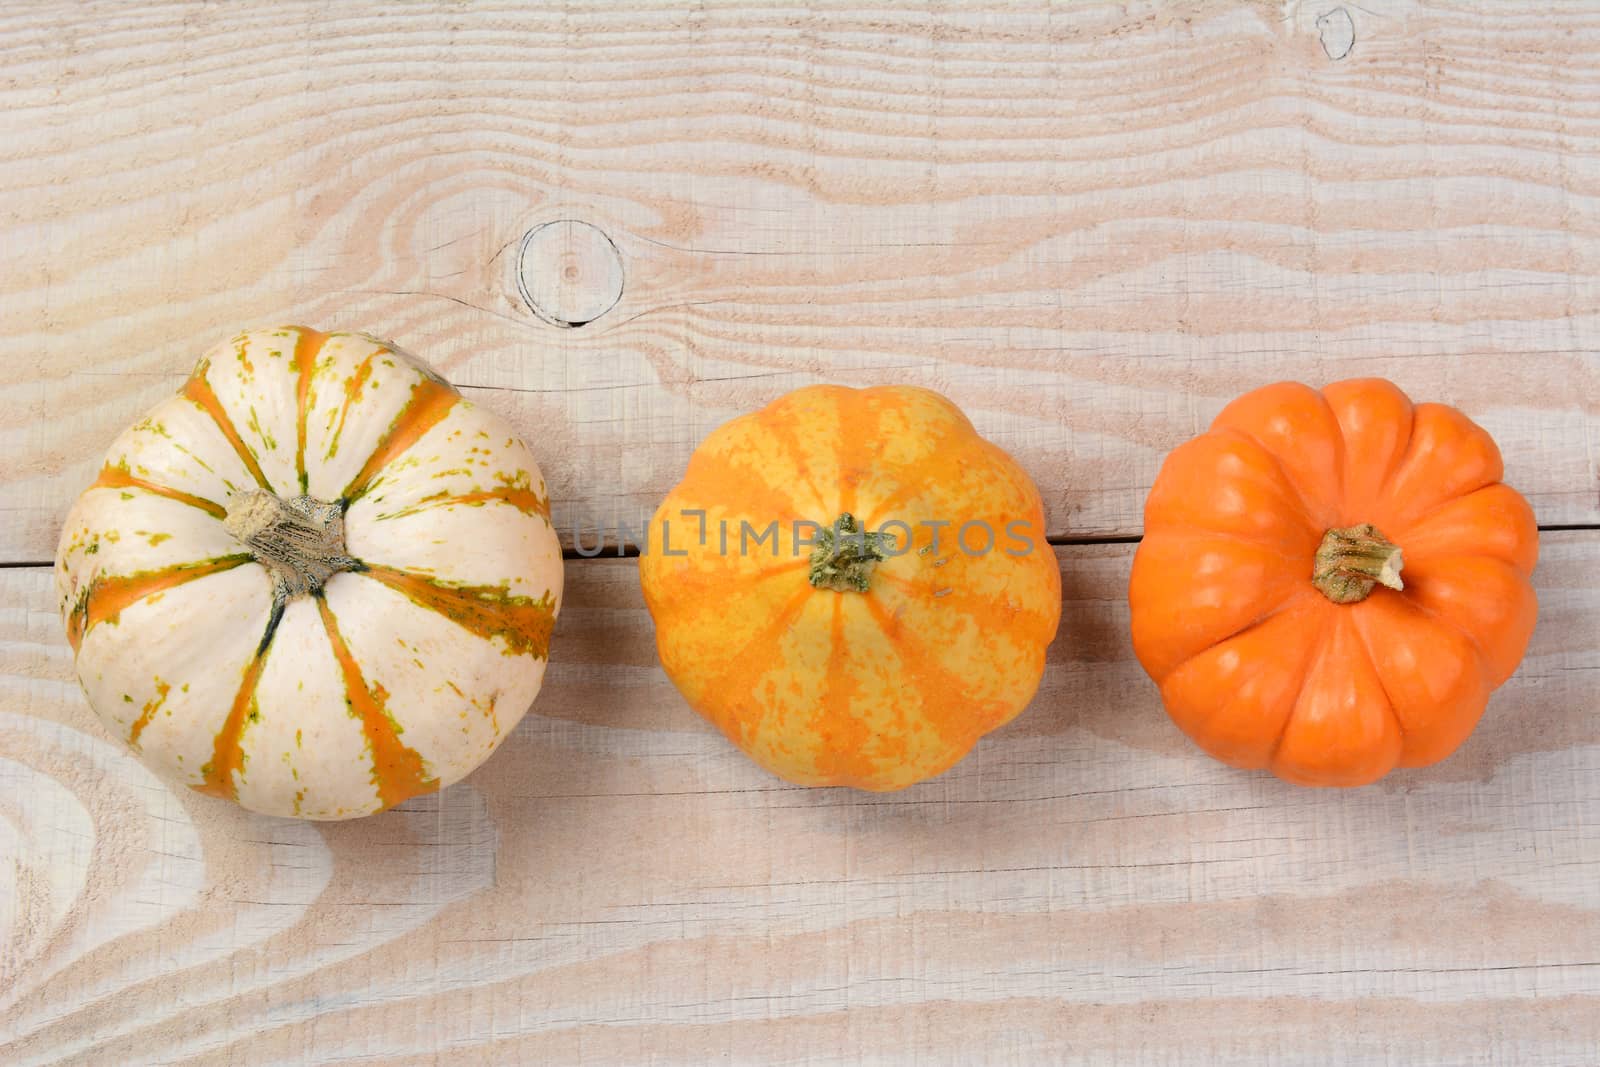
317	581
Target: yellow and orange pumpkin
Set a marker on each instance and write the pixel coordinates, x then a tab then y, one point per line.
853	585
317	581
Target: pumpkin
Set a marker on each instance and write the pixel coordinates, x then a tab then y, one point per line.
1331	583
316	582
852	585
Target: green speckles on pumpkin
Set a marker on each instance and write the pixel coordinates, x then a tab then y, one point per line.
241	352
202	464
127	698
261	431
352	393
150	425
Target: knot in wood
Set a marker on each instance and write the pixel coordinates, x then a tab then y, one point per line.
569	272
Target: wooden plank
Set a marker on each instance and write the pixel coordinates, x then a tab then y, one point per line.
619	885
1091	225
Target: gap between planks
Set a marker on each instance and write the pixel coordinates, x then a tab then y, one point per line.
611	550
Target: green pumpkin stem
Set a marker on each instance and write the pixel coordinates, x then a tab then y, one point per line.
1352	560
299	541
844	555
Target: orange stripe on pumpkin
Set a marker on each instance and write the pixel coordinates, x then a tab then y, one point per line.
944	465
148	712
431	399
843	760
521	497
983	609
850	403
782	426
109	595
713	477
227	755
119	477
199	390
945	705
397	770
352	393
306	348
744	669
489	611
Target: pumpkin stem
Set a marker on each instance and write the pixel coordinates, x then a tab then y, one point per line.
845	554
1352	560
300	540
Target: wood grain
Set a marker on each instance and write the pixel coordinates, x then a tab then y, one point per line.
618	885
1091	225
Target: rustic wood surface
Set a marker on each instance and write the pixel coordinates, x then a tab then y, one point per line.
1090	226
619	885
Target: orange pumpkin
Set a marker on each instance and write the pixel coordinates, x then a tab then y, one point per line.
853	585
1331	583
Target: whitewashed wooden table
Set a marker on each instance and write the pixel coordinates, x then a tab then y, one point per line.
1091	226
